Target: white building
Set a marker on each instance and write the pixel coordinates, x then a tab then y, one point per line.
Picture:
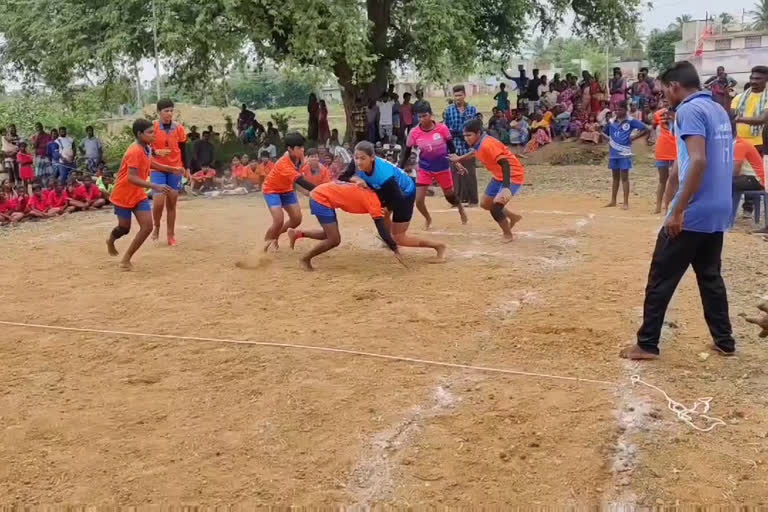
708	45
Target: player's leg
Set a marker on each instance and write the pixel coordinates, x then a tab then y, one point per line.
123	228
496	209
273	232
331	238
625	187
401	220
293	209
662	186
143	215
174	181
158	202
99	203
614	187
445	180
423	182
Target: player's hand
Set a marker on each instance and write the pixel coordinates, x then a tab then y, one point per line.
358	181
675	223
453	158
162	189
162	152
400	259
461	169
503	196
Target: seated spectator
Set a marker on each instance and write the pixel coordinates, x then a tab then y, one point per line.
313	171
543	121
38	206
337	150
549	99
58	201
519	132
591	131
499	127
392	150
270	148
203	180
87	196
106	184
263	168
604	116
634	112
562	119
748	170
539	133
577	122
229	187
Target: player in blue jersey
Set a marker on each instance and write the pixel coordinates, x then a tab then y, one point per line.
620	133
396	190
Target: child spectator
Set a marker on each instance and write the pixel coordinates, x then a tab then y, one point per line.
263	168
106	184
53	152
313	171
591	132
518	130
58	201
620	156
87	196
37	205
26	164
502	98
8	210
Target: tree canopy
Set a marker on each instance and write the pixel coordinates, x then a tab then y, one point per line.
661	47
358	41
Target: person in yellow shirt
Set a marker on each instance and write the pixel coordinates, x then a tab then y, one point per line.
750	109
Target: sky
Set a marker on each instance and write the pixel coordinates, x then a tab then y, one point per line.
664	12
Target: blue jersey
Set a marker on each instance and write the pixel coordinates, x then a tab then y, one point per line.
710	208
384	171
620	133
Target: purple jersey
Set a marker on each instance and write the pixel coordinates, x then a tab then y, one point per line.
433	147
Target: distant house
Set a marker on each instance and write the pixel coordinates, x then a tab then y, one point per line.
708	45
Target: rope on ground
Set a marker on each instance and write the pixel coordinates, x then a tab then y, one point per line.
686	414
683	413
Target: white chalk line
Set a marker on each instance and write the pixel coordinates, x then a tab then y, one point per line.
683	413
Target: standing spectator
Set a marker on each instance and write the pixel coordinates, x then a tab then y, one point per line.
384	106
359	119
372	114
618	89
337	151
244	120
699	214
721	86
502	99
641	92
266	145
406	114
543	87
193	134
9	149
456	115
750	109
596	94
313	109
53	153
26	163
419	101
533	91
323	129
205	153
40	141
67	153
396	116
92	149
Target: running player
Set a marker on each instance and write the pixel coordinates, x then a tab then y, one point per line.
129	196
169	150
324	199
508	174
279	192
434	142
396	191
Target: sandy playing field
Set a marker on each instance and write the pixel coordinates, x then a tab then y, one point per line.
104	419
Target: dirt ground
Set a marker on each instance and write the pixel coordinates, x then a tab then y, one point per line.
113	419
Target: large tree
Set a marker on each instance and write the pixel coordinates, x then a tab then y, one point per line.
359	41
661	47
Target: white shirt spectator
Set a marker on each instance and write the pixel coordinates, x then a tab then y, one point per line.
272	150
385	112
66	148
342	154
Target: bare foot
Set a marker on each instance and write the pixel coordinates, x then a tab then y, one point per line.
657	211
306	264
636	353
610	205
440	256
428	224
625	206
172	241
111	249
721	352
463	215
292	236
507	237
156	233
126	266
268	244
514	219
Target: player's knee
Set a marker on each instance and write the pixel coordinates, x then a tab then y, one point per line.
334	240
625	176
294	221
120	231
497	212
452	199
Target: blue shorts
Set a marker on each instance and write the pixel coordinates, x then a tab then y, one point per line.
324	214
664	163
620	164
281	200
165	178
125	213
495	186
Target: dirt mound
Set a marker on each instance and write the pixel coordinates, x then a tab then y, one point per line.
578	153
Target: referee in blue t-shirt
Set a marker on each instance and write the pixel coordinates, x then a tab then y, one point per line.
699	214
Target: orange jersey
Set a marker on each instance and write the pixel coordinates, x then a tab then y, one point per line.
263	170
241	171
323	175
752	162
281	177
169	139
666	146
126	194
491	151
348	197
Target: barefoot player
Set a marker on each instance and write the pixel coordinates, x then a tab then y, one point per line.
129	196
508	174
323	202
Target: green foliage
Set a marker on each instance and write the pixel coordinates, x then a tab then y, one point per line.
115	146
282	120
271	90
568	54
661	47
759	15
